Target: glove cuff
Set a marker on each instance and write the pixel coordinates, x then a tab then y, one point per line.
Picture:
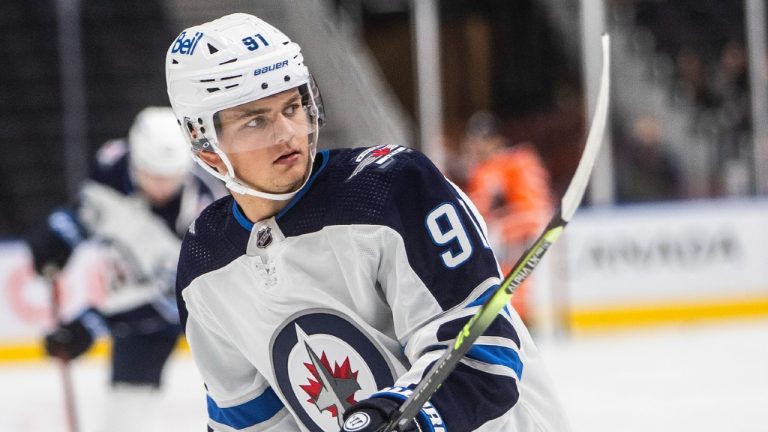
428	418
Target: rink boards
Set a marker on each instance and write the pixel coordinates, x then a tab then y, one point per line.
658	263
613	267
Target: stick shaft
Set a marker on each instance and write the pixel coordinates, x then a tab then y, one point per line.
70	408
524	266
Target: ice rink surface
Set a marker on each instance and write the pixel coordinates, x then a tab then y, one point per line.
703	377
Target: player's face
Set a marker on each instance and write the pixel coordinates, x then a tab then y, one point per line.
158	189
267	142
483	148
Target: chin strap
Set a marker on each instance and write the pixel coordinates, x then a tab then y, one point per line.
235	185
201	143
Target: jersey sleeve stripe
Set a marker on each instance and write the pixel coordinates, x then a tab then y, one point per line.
490	369
247	414
497	355
500	327
484	297
493	355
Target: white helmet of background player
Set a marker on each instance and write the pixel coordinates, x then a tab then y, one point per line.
228	62
156	145
158	154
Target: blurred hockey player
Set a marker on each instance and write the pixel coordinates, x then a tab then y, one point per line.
140	198
510	187
316	296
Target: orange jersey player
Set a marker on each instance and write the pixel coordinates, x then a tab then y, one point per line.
511	188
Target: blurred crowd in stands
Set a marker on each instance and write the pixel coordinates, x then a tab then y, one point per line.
705	41
535	92
512	177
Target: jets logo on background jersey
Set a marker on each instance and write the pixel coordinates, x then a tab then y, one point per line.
323	364
378	157
109	153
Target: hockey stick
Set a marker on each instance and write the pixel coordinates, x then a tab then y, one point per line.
52	274
524	266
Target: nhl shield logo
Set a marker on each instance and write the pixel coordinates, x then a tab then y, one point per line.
263	237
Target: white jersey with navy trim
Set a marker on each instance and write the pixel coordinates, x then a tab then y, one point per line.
143	239
355	288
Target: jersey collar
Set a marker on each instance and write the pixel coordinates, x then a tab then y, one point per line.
244	222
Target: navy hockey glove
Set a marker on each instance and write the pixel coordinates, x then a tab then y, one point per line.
373	415
54	241
69	340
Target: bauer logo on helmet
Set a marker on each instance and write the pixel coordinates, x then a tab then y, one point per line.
270	68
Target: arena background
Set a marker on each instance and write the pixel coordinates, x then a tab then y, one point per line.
653	308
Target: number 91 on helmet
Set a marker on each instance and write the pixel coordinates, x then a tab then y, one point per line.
229	63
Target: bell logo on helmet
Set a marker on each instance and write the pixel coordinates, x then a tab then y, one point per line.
184	45
270	68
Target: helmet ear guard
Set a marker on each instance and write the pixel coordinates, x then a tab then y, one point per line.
200	143
195	135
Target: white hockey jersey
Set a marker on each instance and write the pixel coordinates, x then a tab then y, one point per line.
140	241
358	285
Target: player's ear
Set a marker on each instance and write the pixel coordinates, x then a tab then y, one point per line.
213	160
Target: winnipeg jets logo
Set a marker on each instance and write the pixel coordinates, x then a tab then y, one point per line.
379	156
111	152
331	390
323	363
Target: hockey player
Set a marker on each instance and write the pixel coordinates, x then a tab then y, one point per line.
317	295
140	198
510	187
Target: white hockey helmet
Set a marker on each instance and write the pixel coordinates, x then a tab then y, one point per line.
156	145
231	61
